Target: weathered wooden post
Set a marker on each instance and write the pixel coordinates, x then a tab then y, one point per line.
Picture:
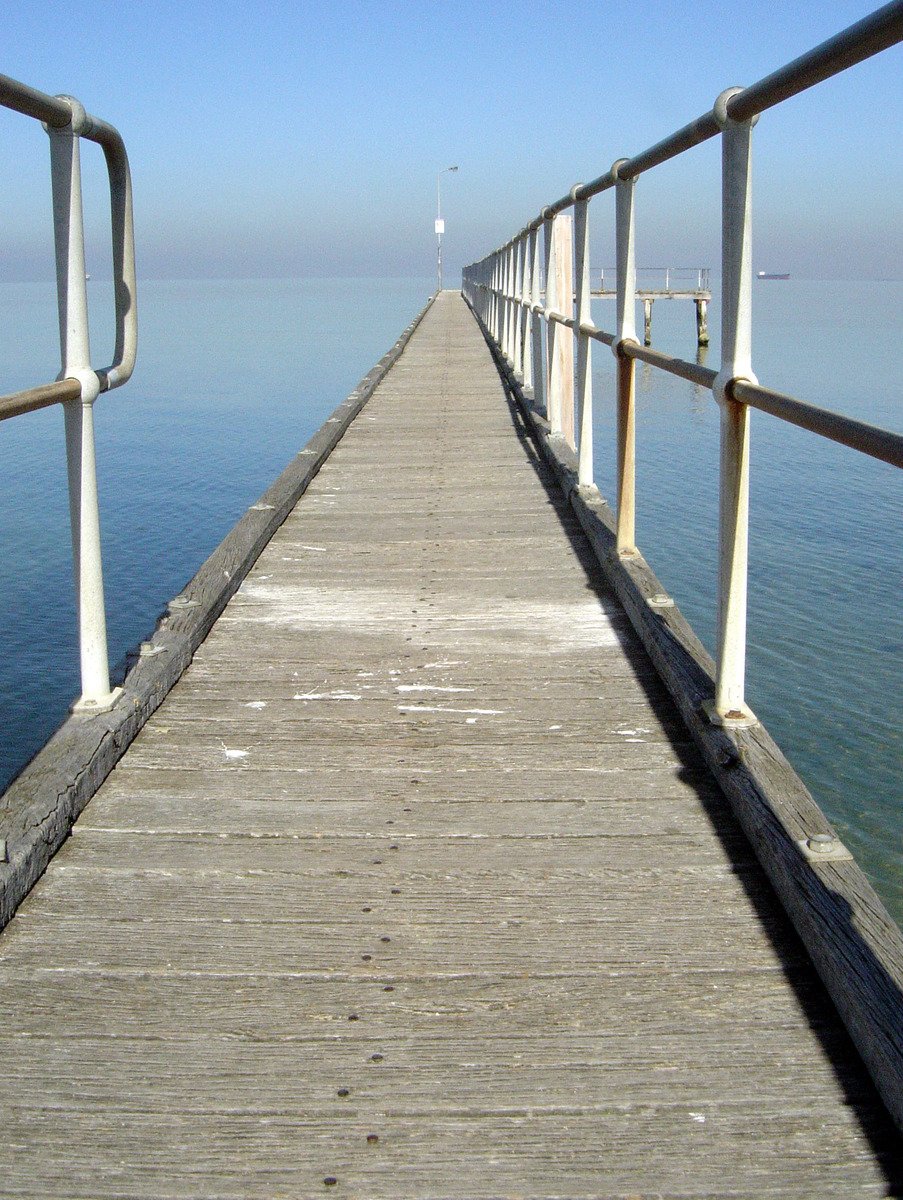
647	321
702	323
736	363
626	332
582	328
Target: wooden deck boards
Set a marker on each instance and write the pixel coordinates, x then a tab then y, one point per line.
418	851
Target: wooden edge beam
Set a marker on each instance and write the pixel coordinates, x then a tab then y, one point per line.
40	806
852	940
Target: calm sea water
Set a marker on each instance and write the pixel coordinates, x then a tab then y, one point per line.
234	377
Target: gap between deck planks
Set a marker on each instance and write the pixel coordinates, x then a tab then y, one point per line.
419	825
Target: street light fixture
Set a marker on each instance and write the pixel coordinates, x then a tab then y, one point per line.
440	227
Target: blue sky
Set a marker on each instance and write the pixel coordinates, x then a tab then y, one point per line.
304	139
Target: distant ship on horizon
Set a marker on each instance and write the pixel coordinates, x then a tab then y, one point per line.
772	275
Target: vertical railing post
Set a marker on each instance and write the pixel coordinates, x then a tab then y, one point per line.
584	319
561	381
516	316
516	324
509	292
512	306
75	353
736	363
539	373
526	316
503	300
508	289
625	254
496	297
551	327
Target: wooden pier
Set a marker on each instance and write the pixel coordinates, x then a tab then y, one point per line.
666	283
415	884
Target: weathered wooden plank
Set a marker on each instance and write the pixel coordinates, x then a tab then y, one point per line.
307	816
419	781
600	891
504	861
246	1155
182	1006
328	949
505	1074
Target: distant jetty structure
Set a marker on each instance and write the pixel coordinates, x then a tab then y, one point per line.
422	849
665	283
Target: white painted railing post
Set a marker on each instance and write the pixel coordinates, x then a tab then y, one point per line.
736	363
584	346
551	327
626	332
496	297
75	352
561	352
509	288
539	371
503	303
516	321
520	345
526	316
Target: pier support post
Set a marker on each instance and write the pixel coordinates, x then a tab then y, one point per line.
702	323
736	363
75	353
647	321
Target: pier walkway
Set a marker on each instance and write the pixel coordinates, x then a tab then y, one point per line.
415	885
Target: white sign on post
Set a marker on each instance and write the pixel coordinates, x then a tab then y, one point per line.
440	225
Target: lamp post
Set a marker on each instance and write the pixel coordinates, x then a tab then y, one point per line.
440	227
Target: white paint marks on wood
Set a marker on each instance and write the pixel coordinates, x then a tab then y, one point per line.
426	687
480	712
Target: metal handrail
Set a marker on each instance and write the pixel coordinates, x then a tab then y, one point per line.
62	113
79	384
530	279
